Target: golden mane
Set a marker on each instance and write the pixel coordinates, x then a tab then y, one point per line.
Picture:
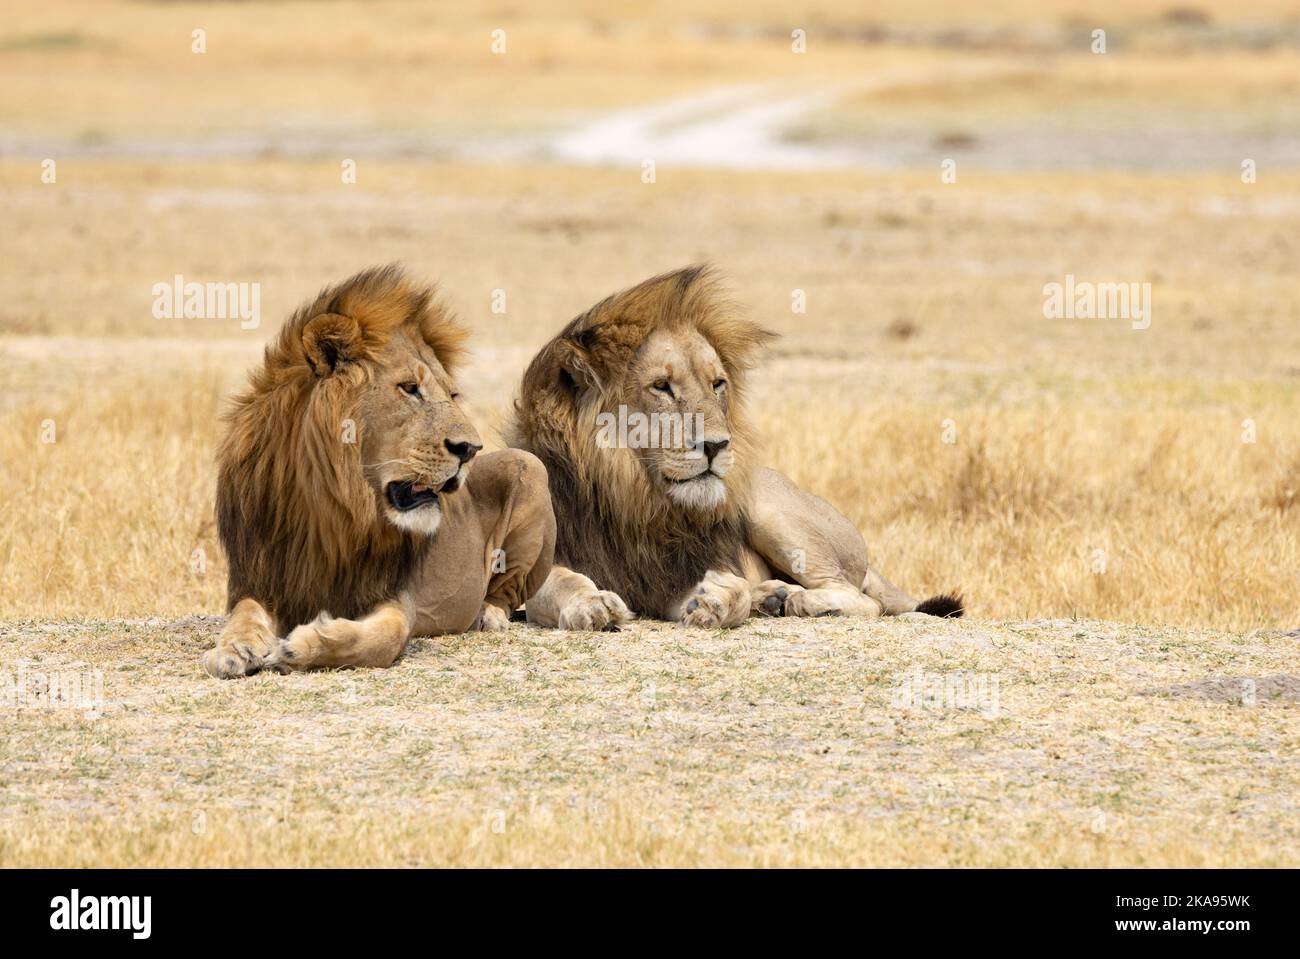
298	522
610	519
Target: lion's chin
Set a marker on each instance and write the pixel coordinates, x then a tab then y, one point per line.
704	493
423	521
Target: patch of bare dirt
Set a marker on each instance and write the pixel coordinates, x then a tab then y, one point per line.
1276	690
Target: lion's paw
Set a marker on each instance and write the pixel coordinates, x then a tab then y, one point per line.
601	610
722	600
493	619
769	598
240	655
300	648
814	602
705	611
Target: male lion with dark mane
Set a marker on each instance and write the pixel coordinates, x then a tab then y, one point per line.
692	530
348	485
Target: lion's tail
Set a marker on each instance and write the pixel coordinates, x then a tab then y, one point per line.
946	605
894	601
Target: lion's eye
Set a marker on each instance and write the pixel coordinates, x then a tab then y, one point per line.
719	383
410	389
662	386
455	396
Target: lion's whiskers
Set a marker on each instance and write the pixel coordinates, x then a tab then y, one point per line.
382	463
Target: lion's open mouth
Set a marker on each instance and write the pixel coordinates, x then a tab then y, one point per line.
408	496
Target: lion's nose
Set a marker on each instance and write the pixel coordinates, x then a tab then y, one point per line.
464	450
713	447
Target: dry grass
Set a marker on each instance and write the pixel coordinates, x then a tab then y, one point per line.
776	744
1191	528
1070	436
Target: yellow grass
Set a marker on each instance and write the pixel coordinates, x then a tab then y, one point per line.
1121	507
1069	437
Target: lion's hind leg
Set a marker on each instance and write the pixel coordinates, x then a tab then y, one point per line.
818	557
245	643
893	600
898	603
836	600
779	598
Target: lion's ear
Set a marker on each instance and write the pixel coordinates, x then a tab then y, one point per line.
329	340
578	360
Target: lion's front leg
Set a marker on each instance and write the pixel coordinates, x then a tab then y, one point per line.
569	600
514	503
242	647
721	600
376	640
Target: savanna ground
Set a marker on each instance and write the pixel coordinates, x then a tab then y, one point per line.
1119	506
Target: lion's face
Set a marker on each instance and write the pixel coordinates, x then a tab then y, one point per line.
416	441
678	380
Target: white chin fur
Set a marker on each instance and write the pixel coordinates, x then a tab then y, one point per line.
423	521
706	493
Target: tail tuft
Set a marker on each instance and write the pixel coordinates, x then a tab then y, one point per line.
945	605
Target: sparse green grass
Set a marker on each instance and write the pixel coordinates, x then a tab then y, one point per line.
777	744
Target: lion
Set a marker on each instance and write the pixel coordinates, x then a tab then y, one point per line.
350	485
689	529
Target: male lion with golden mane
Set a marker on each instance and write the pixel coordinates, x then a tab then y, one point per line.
688	529
348	486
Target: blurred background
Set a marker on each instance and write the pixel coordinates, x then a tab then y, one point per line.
914	172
